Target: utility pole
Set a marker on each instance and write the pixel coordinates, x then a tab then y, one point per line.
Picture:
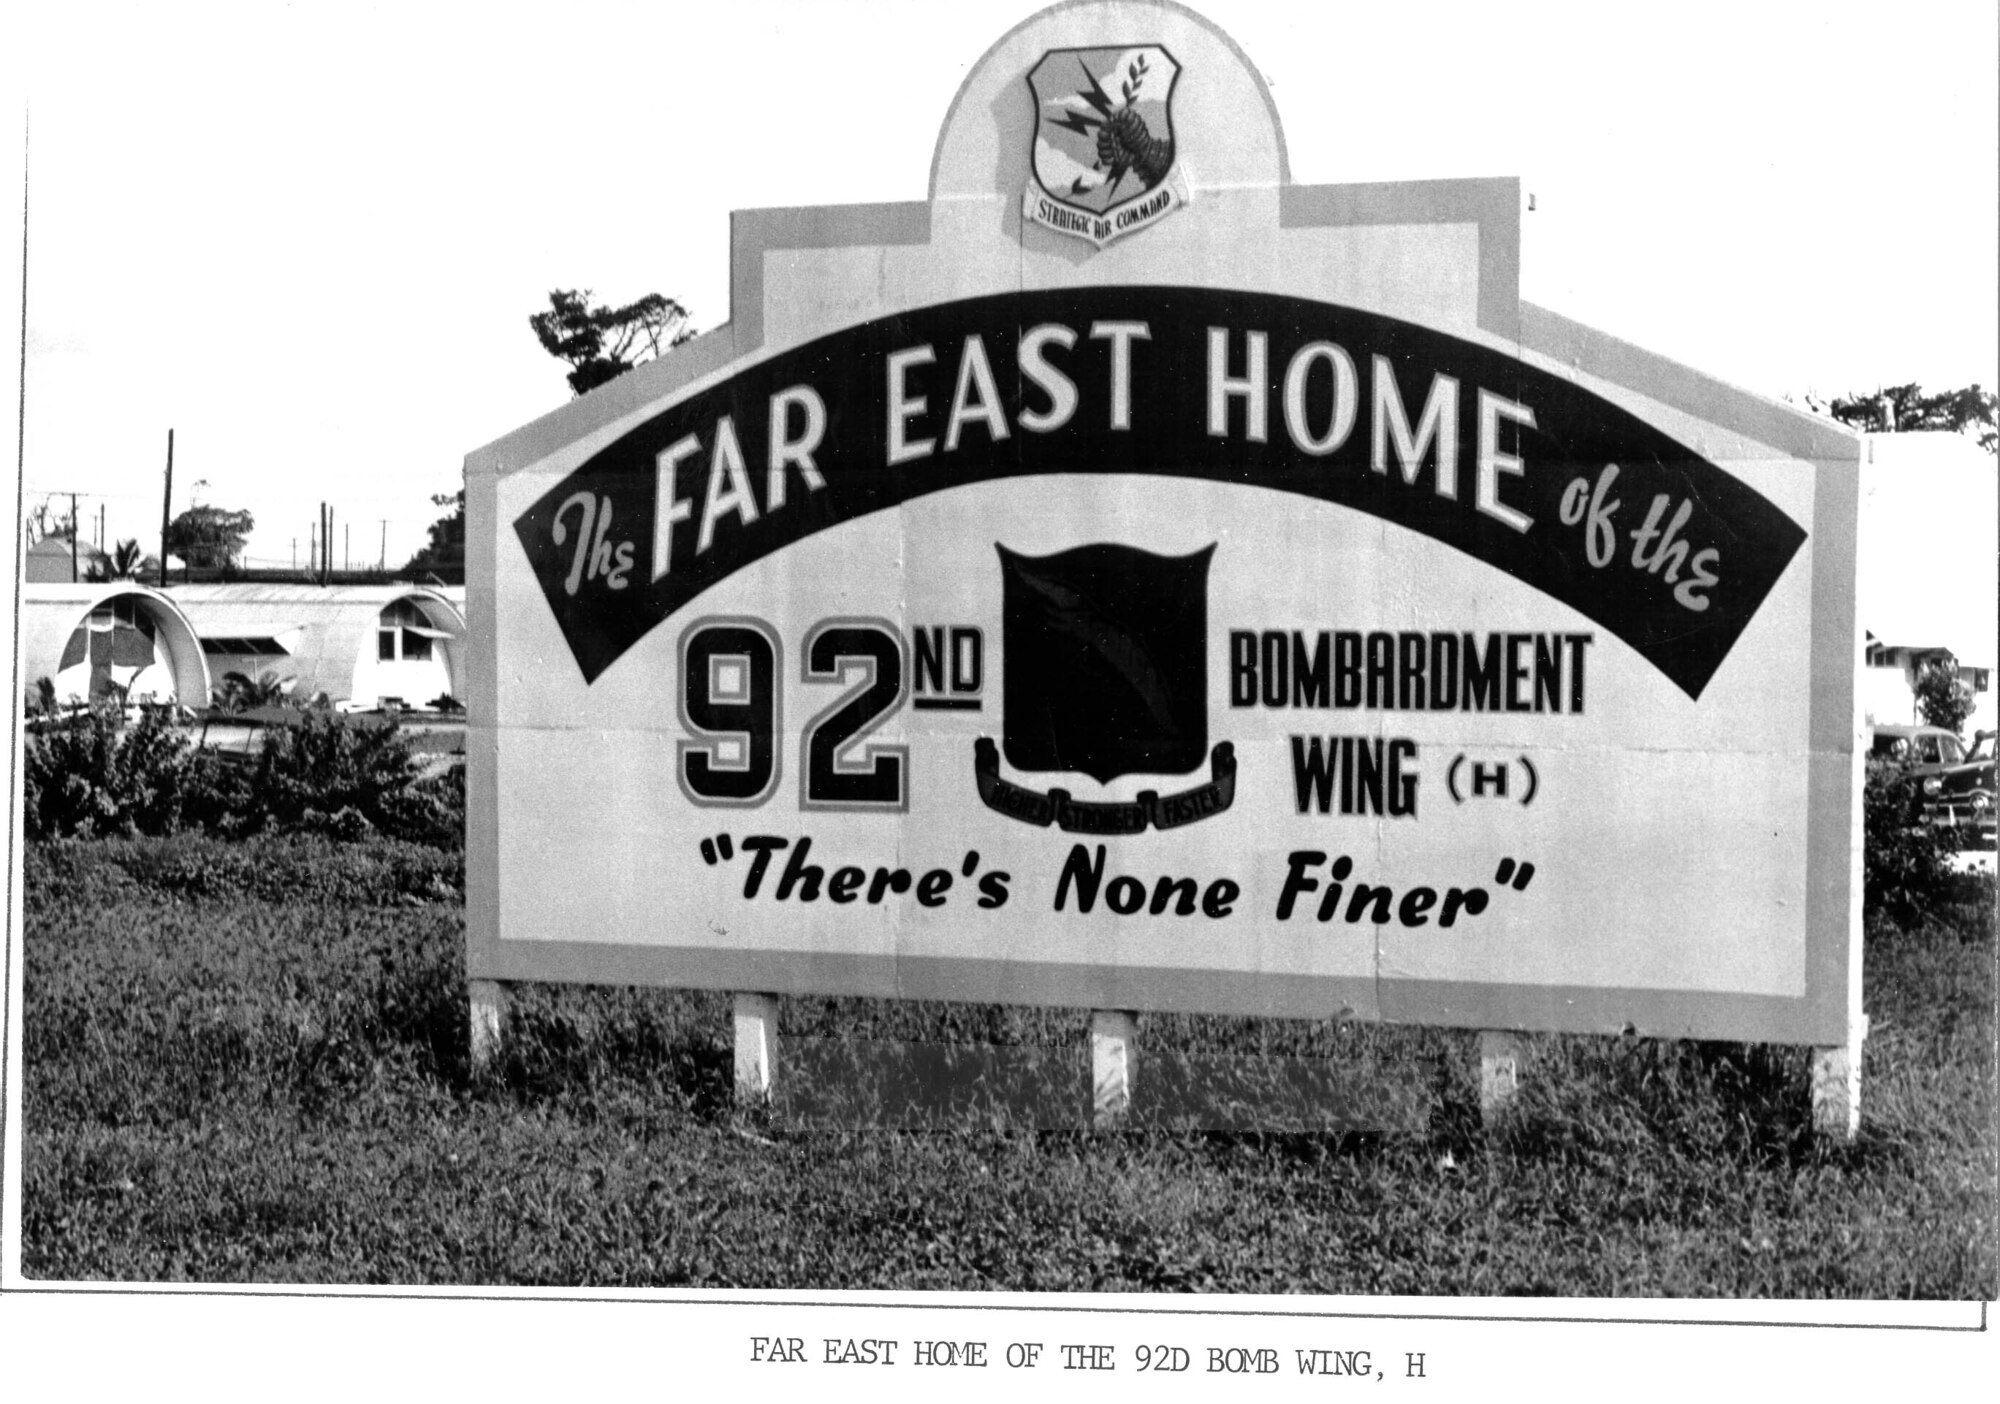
384	563
166	508
73	575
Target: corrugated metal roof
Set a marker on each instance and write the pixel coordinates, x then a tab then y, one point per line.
240	592
240	609
258	628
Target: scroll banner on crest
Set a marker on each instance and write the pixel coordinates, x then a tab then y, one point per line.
1170	194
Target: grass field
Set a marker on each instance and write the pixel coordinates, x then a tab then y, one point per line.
247	1063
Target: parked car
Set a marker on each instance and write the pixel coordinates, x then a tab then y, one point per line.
1957	784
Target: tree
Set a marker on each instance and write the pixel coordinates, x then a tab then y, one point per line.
209	536
602	343
444	553
127	561
1942	699
41	522
1905	869
1906	409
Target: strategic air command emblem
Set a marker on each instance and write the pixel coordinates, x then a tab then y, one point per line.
1104	160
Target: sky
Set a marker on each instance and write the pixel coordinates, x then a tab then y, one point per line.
308	238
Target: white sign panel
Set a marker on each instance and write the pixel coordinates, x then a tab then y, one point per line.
1130	580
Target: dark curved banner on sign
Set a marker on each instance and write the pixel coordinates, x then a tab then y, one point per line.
1519	468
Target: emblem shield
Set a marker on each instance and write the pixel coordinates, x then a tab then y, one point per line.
1104	158
1106	661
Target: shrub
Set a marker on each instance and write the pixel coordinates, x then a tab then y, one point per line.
432	810
1905	872
92	774
240	692
321	766
221	796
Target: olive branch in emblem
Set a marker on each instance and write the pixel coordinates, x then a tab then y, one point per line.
1123	141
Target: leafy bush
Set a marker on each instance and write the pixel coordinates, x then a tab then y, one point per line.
430	810
94	775
324	776
1905	872
221	797
240	692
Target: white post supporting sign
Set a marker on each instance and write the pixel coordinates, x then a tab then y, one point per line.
756	1026
1500	1057
1129	579
487	1000
1114	1052
1836	1085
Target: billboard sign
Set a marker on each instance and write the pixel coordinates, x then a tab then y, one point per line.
1032	598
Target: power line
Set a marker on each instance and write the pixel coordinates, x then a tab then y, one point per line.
64	489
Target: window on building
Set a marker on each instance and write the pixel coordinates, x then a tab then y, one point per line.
117	634
234	646
403	634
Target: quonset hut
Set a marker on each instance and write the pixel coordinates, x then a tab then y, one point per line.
363	645
94	641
